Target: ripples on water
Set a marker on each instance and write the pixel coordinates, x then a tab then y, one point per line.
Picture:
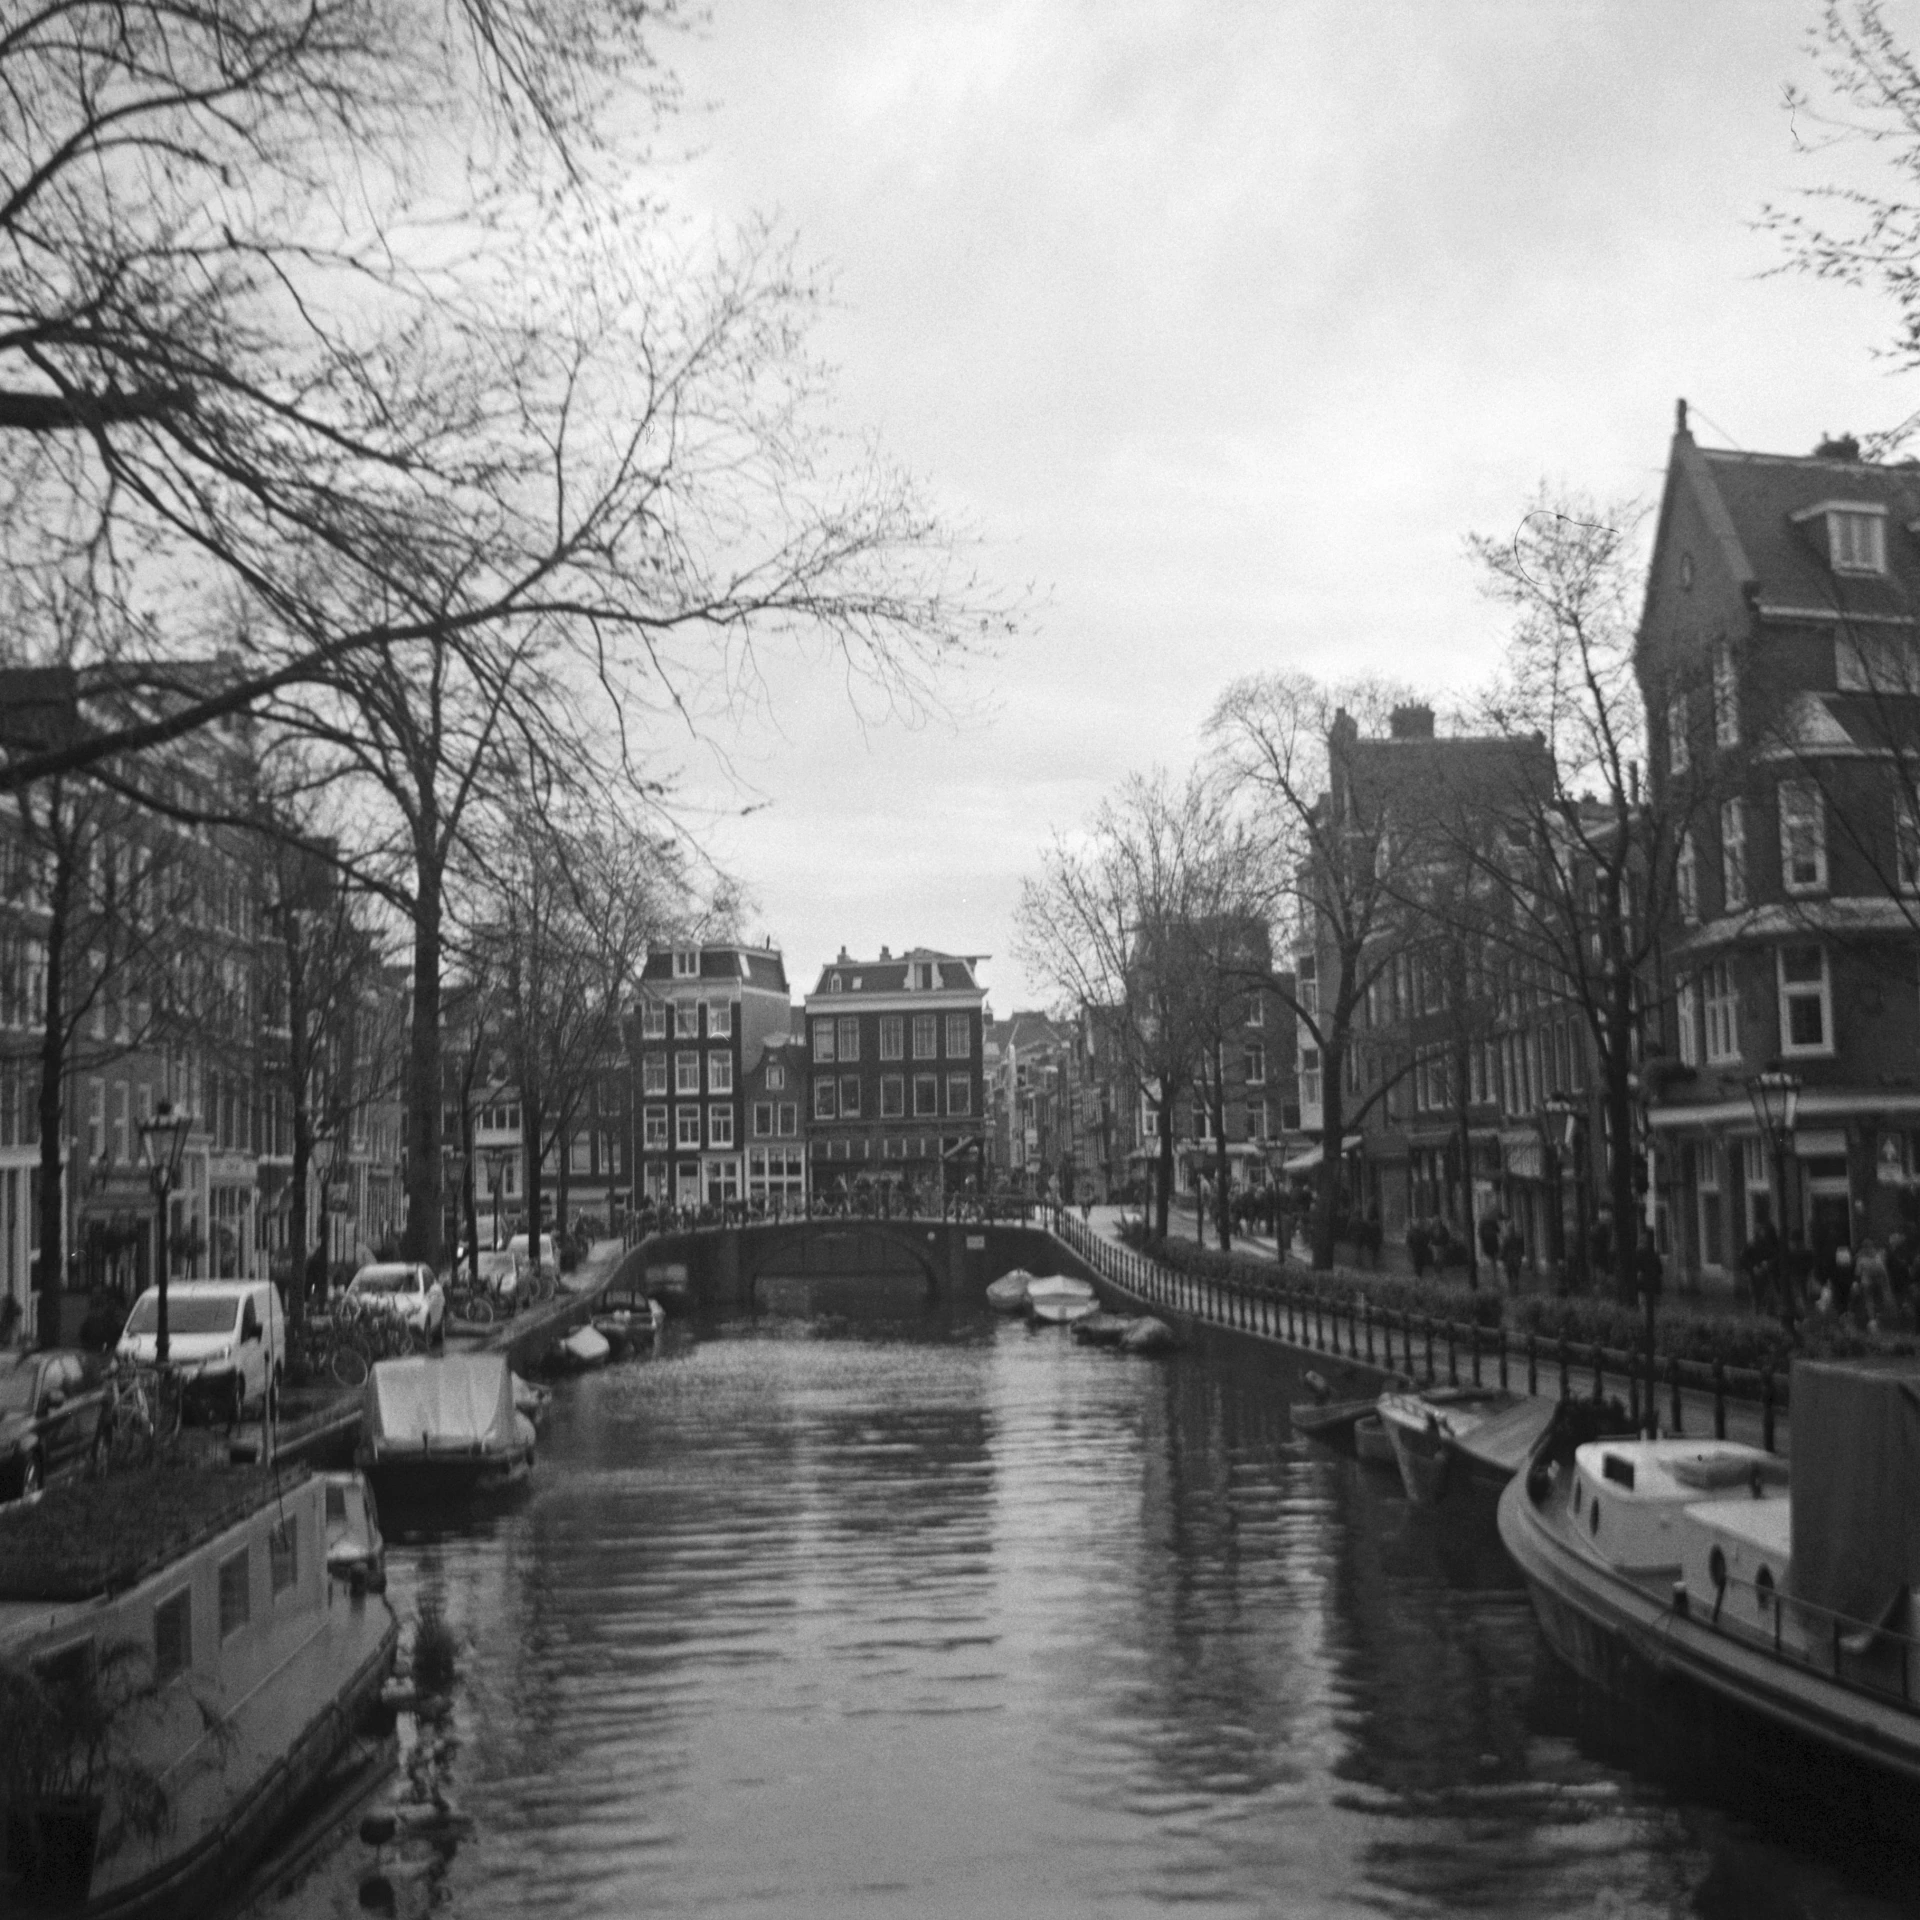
939	1615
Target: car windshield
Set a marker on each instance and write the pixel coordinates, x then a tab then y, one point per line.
384	1280
191	1313
16	1388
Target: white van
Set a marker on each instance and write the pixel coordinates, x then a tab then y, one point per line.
227	1340
549	1253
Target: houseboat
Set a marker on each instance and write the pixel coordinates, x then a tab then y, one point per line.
177	1669
1698	1561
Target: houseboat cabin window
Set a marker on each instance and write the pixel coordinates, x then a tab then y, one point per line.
283	1547
172	1636
235	1593
336	1505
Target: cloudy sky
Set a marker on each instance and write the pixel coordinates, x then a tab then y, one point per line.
1221	325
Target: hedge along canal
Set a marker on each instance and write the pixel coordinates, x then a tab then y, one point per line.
1366	1345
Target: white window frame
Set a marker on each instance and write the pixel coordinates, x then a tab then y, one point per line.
655	1122
686	1019
763	1119
1720	997
686	963
930	1084
961	1084
788	1120
958	1028
926	1026
1805	990
1254	1063
776	1077
849	1037
1685	1018
653	1074
1906	845
686	1126
1733	854
893	1036
1679	754
719	1019
1857	539
653	1020
720	1124
686	1073
1726	698
823	1049
893	1096
719	1071
1803	812
1686	881
826	1096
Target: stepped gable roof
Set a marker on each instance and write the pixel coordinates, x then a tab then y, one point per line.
1751	501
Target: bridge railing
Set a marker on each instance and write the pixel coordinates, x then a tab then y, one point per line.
1426	1348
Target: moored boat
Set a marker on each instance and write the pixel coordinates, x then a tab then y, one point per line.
1425	1429
1008	1294
582	1350
1330	1420
444	1424
1371	1445
1699	1563
179	1667
1060	1299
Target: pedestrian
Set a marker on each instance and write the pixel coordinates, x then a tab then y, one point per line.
1761	1260
1841	1276
1513	1250
1873	1306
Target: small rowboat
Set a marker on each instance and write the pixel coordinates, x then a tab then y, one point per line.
1008	1294
1060	1299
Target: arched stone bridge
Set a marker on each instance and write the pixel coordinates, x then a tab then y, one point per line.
720	1266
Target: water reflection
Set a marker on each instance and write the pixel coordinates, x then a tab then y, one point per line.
902	1609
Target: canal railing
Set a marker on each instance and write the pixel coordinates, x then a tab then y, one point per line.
1428	1349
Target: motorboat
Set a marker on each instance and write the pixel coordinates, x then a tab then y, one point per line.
1059	1299
582	1350
1788	1602
1425	1429
179	1670
356	1552
1330	1420
437	1424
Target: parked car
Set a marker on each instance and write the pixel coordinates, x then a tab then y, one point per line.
405	1287
53	1412
226	1340
549	1252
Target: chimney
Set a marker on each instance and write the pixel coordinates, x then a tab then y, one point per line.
1838	447
845	959
1411	723
886	953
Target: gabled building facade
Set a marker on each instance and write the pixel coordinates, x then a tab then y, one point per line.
706	1017
1779	657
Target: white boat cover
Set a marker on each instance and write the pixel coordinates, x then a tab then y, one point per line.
1856	1483
462	1403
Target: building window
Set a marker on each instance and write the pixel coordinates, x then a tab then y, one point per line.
926	1036
283	1554
826	1103
236	1593
719	1072
686	1126
1722	1005
686	1020
1256	1012
1254	1061
893	1037
1309	1076
720	1125
1857	540
686	963
1726	699
1806	1001
789	1119
893	1096
1683	1014
959	1043
656	1128
1733	854
1803	837
926	1096
1256	1120
1678	759
849	1096
653	1073
833	985
686	1073
719	1019
1686	881
823	1040
173	1636
850	1038
763	1119
776	1077
653	1020
959	1093
1906	846
921	972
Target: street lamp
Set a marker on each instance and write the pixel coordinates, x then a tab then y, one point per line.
163	1143
1776	1106
1561	1107
496	1168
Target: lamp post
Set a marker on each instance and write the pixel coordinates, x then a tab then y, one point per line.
496	1168
163	1144
1776	1106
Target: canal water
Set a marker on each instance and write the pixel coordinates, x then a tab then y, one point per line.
876	1606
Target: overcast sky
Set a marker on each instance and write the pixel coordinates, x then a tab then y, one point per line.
1222	326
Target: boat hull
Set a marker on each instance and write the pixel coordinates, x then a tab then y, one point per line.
413	1478
1623	1635
1063	1312
1420	1452
1371	1444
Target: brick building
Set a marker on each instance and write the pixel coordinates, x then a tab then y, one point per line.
896	1094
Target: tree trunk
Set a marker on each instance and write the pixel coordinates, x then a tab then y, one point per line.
530	1118
424	1089
1469	1224
1222	1169
299	1226
1163	1165
1333	1124
472	1206
1626	1230
53	1073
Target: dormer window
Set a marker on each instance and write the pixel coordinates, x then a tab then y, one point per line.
922	981
833	983
686	963
1857	540
1856	533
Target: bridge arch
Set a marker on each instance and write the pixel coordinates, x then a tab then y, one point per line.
802	1249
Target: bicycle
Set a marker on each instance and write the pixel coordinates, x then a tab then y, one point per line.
144	1413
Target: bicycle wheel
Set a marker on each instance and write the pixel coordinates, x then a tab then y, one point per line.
348	1365
166	1405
